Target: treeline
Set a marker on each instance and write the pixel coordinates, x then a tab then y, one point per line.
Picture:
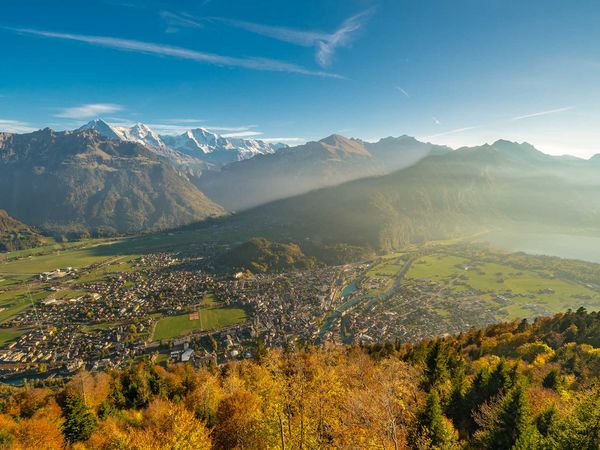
509	386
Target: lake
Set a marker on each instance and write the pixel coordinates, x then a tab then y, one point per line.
586	248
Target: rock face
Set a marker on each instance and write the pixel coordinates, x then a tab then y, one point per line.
82	181
15	235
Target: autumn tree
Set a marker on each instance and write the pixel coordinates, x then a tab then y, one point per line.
168	425
238	422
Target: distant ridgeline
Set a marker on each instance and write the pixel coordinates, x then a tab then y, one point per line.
509	386
90	181
15	235
504	185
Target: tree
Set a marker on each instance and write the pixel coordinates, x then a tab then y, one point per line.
552	380
238	422
38	433
581	431
436	365
509	423
169	426
457	408
80	422
500	380
437	428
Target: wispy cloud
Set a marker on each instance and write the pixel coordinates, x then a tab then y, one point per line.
446	133
182	126
232	129
242	134
89	110
185	120
543	113
325	43
254	63
176	21
284	139
16	126
398	88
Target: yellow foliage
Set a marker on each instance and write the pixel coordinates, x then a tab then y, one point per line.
169	426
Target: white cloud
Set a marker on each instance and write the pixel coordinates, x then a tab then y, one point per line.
340	38
16	126
254	63
402	91
185	120
242	134
284	139
220	128
89	110
176	21
325	43
446	133
543	113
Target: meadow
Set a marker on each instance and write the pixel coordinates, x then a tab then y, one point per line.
525	289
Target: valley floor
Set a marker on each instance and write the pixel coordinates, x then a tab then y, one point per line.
103	303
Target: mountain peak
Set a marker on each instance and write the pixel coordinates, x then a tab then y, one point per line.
103	128
338	143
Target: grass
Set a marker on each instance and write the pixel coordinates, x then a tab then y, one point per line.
436	267
14	302
8	335
210	319
32	265
531	291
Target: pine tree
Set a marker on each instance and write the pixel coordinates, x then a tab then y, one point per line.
457	408
437	428
512	424
80	422
552	380
436	365
500	380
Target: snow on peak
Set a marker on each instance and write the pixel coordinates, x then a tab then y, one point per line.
198	143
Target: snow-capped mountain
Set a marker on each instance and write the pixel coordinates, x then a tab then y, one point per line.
198	144
140	133
218	149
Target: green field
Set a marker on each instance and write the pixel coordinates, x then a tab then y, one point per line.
9	335
491	279
210	319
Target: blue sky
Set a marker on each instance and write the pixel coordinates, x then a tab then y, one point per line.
458	72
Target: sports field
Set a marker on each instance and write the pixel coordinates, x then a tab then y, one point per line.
209	319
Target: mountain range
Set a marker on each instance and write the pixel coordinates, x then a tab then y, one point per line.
197	149
103	180
81	181
469	190
296	170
